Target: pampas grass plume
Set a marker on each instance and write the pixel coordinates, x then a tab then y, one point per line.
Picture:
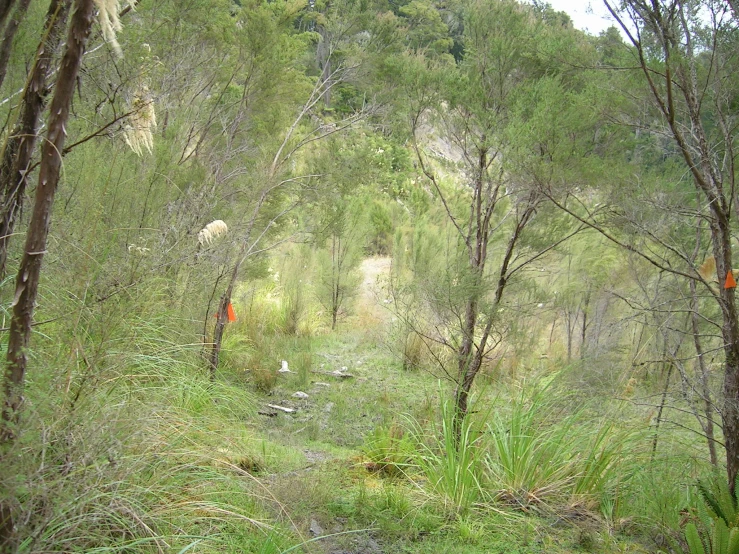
213	230
139	131
108	15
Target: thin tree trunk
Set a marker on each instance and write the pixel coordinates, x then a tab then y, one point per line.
7	44
29	271
570	332
721	238
466	368
708	424
15	160
661	408
334	283
222	313
5	7
584	328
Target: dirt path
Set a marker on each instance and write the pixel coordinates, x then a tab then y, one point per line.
303	491
373	291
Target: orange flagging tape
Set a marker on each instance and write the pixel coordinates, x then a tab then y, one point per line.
230	312
730	281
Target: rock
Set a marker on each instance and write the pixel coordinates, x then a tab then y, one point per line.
341	373
315	529
327	409
320	384
281	408
284	368
300	394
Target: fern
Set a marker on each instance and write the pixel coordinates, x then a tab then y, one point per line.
720	501
695	544
720	515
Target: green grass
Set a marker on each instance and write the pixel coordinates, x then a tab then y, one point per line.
371	459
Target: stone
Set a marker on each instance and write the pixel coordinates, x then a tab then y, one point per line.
315	529
300	394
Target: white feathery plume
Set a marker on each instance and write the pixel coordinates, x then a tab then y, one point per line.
213	230
108	15
139	131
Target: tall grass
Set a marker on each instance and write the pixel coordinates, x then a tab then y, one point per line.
527	461
453	468
154	457
539	455
529	453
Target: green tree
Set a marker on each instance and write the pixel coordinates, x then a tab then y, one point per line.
493	113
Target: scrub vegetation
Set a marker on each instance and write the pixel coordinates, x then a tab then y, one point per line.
368	277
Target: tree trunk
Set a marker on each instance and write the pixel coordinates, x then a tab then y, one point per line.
680	97
721	238
221	319
703	376
29	271
335	282
5	7
466	369
15	160
7	43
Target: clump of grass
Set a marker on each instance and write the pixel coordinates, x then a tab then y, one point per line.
304	365
528	461
236	352
264	380
453	466
137	464
539	456
388	451
412	351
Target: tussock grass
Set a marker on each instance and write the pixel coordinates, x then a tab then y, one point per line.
528	454
536	458
153	458
453	469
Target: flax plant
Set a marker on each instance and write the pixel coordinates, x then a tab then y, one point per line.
453	465
538	456
529	461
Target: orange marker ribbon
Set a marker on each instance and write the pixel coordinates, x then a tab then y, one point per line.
730	281
230	312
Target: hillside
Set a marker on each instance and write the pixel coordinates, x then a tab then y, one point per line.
368	277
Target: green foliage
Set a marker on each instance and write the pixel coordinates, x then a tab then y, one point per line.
454	468
538	456
719	520
126	444
719	500
388	450
722	541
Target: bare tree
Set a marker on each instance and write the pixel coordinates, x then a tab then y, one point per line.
18	149
29	271
685	70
